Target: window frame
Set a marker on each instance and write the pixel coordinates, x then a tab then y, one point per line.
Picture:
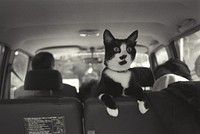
4	69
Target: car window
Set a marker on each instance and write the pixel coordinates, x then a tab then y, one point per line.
161	55
141	60
189	49
19	69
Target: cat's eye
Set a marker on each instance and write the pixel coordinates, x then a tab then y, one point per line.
116	49
129	49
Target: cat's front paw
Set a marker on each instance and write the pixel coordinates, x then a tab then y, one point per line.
112	112
141	106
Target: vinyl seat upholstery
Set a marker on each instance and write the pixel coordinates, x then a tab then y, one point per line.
18	116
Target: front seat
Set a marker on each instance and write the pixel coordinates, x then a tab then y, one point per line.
44	83
144	76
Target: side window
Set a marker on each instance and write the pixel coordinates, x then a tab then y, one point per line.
161	55
19	69
189	51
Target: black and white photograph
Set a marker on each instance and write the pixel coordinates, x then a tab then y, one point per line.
99	66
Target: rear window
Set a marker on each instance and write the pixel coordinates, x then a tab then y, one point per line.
77	64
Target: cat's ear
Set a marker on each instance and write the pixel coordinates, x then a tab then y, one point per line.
107	37
133	36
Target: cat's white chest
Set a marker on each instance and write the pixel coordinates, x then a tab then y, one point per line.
122	78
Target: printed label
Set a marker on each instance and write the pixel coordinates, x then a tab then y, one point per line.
44	125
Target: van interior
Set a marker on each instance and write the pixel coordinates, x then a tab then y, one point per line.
72	30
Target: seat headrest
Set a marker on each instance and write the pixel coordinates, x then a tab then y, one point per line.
43	80
143	76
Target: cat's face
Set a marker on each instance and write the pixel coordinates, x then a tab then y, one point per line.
119	53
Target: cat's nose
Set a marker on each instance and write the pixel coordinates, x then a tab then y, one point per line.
123	57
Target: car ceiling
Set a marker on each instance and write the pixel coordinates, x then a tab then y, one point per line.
34	24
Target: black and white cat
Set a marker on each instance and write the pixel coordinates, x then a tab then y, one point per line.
117	78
